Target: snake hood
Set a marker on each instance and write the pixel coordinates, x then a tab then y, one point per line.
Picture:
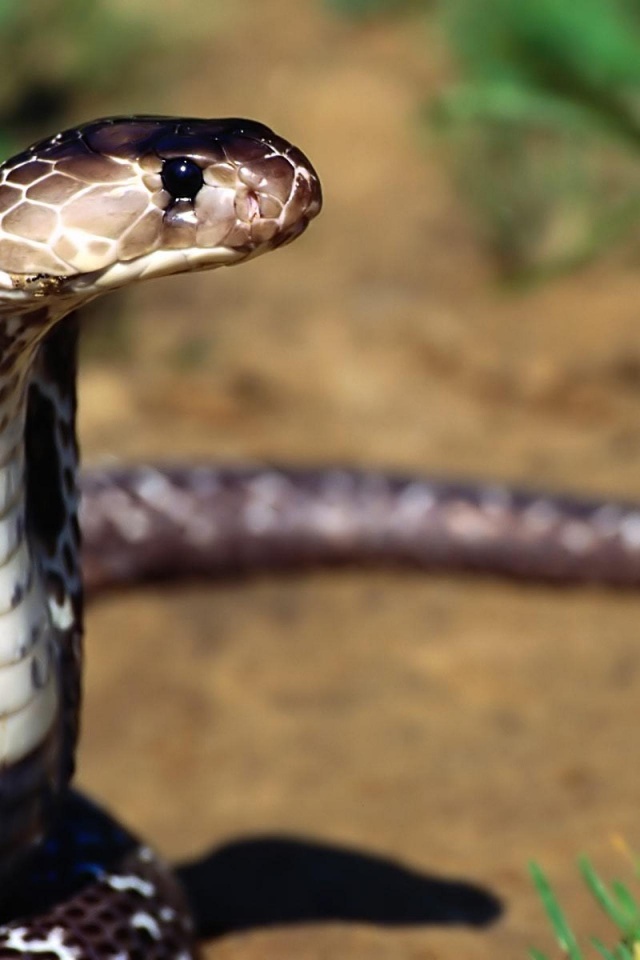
122	199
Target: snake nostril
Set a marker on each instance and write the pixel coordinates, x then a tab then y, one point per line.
247	206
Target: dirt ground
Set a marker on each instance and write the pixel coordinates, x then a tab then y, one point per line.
388	728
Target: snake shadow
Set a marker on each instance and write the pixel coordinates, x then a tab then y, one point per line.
276	880
248	884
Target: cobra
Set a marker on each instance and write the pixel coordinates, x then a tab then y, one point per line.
89	210
82	213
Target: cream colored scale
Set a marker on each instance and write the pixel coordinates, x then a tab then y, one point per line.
29	676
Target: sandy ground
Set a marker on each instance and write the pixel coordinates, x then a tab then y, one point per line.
387	728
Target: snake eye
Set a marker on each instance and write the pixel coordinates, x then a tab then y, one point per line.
182	178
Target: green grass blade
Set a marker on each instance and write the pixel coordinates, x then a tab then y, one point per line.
537	954
629	904
602	950
564	933
614	909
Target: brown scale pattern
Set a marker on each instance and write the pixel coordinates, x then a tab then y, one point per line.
60	214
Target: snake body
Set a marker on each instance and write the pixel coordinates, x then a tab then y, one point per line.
81	213
158	522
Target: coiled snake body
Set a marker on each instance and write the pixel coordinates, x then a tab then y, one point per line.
84	212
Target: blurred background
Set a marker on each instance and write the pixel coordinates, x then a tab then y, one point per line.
467	305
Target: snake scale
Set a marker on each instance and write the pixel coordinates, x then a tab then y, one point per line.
87	211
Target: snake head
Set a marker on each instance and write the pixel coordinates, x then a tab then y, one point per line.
122	199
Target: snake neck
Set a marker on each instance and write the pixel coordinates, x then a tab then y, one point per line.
40	587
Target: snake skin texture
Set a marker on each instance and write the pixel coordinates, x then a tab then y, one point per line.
81	213
93	891
164	522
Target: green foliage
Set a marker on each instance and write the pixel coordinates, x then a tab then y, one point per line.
617	903
365	9
63	43
544	126
583	56
53	50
